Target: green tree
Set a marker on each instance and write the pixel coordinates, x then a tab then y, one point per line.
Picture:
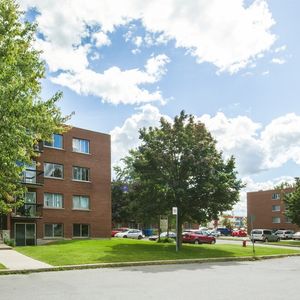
25	118
178	165
292	202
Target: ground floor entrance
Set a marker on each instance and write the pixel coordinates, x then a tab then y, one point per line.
25	234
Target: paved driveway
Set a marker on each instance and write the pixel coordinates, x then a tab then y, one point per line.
276	279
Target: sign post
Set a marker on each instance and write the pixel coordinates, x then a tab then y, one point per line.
175	212
252	219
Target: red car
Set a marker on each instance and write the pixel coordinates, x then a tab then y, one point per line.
239	233
116	230
197	238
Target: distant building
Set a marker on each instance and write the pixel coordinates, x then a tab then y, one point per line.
69	193
266	210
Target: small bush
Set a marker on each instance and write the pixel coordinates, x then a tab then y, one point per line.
166	240
9	242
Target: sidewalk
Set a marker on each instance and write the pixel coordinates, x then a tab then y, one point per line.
14	260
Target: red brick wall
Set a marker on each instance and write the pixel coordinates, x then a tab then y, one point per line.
260	204
98	189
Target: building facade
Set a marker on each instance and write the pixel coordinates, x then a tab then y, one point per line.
69	193
265	209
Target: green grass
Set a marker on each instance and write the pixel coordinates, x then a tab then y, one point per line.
288	243
2	267
123	250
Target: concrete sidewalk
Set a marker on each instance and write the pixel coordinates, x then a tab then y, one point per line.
14	260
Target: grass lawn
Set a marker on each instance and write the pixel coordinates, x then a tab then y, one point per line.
288	243
123	250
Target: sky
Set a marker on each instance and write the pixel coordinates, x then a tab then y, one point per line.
233	64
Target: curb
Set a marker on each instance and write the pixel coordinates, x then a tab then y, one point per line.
146	263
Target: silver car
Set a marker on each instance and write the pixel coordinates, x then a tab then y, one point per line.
131	233
285	234
263	235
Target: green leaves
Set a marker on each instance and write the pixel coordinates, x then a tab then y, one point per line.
25	118
292	202
177	164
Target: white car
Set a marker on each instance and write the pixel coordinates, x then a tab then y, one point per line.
214	233
296	236
131	233
285	234
165	234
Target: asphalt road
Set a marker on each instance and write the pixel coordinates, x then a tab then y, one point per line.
268	279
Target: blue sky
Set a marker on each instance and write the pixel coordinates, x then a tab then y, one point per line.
233	64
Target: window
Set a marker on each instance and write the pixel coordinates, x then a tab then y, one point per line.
288	220
276	220
53	200
80	173
81	230
81	202
275	196
82	146
53	230
275	207
53	170
57	142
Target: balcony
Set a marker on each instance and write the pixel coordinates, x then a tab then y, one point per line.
28	211
39	147
32	178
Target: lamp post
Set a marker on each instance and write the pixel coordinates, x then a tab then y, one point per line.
175	212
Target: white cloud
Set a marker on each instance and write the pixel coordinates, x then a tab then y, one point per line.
116	86
101	39
265	73
279	61
280	49
256	148
226	34
127	136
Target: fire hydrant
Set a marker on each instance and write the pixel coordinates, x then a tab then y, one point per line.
244	243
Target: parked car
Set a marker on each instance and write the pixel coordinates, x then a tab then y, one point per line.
131	233
198	237
239	233
263	235
296	236
224	230
163	235
214	233
285	234
116	230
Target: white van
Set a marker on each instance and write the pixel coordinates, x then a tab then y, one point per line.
263	235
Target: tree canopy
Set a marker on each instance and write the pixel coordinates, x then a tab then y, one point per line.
178	165
25	118
292	203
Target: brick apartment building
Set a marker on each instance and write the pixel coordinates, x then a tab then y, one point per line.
69	193
268	208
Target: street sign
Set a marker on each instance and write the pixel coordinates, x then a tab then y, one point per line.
174	210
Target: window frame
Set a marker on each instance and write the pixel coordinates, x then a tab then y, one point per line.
54	164
80	197
273	220
275	196
53	142
81	236
74	149
54	207
275	206
53	236
82	180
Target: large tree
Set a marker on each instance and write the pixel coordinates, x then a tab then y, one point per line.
178	165
25	118
292	202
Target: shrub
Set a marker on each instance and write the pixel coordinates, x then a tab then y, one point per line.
166	240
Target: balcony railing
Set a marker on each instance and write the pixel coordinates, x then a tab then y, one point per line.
39	147
28	210
32	177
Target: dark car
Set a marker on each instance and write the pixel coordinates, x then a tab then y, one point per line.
198	237
224	230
